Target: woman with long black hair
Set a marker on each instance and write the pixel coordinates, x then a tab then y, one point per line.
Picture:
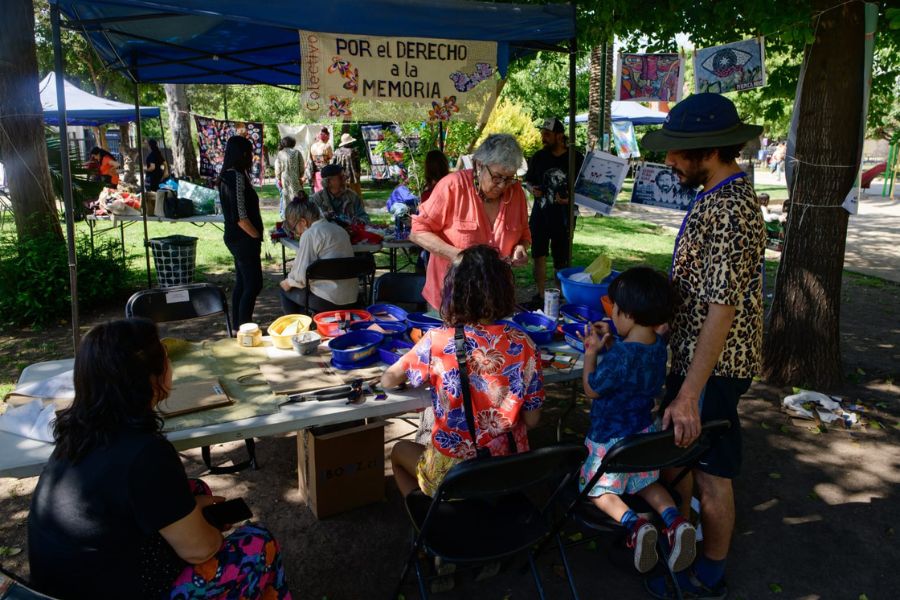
243	226
114	515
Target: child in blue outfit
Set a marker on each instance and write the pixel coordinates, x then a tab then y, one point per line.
623	387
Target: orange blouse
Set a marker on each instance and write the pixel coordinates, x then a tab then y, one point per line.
455	213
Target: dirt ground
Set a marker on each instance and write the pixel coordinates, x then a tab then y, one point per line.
817	512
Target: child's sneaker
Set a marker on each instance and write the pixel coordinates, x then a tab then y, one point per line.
643	540
682	538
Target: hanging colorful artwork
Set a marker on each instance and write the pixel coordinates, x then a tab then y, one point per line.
657	185
626	141
730	68
342	72
213	134
649	77
599	181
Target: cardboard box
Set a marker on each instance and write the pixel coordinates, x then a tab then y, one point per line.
341	469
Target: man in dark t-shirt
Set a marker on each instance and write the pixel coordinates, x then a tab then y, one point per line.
547	179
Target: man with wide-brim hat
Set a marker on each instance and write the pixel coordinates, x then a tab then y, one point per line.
347	156
716	333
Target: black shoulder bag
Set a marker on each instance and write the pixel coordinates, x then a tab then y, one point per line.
480	451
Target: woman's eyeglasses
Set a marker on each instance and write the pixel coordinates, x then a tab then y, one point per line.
500	179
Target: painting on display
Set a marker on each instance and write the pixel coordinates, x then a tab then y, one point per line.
599	181
213	134
649	77
626	141
657	185
730	68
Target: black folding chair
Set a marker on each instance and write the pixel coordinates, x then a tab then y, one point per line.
361	267
164	305
483	512
403	289
634	454
13	587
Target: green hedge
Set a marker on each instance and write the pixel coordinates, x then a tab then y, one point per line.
34	278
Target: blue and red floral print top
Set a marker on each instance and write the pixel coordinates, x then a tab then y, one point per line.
504	376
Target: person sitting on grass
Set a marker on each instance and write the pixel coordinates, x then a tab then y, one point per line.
503	366
623	387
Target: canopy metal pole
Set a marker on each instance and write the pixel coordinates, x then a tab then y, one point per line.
140	144
573	55
58	68
225	100
441	136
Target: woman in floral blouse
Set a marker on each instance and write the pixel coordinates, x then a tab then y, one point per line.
504	369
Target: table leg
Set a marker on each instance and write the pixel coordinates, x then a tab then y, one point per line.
122	239
91	229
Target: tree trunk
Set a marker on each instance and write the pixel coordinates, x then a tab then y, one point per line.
23	148
185	160
594	97
129	156
596	100
802	346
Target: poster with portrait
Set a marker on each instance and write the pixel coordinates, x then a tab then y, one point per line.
213	134
657	185
649	77
732	67
599	181
625	140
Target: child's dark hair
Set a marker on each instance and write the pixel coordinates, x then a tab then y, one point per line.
763	199
645	295
478	287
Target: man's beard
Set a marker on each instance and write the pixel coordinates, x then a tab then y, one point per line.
693	179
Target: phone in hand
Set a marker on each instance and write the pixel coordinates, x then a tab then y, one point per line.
227	513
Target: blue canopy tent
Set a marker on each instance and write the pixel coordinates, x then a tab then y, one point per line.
86	109
235	42
637	113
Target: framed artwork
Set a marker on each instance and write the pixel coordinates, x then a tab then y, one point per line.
731	67
599	181
657	185
649	77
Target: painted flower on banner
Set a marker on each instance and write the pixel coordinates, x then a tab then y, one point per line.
340	65
463	82
443	112
339	107
352	83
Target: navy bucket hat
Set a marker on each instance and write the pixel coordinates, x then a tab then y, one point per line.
701	121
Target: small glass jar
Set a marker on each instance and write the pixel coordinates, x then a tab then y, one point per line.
249	335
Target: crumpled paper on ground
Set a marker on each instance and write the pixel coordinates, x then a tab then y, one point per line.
828	410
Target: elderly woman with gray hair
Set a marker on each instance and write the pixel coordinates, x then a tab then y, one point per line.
319	238
482	205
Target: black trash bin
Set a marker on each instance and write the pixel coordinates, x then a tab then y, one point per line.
175	257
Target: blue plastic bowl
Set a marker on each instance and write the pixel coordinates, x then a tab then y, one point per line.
571	331
588	294
423	321
393	329
540	328
571	313
382	313
354	347
388	350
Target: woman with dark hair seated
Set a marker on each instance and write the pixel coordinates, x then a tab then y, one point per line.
503	366
113	514
319	238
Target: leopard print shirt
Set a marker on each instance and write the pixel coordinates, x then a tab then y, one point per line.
719	260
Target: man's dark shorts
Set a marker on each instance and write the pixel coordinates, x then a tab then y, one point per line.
720	401
549	234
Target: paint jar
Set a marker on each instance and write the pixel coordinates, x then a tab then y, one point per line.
249	335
